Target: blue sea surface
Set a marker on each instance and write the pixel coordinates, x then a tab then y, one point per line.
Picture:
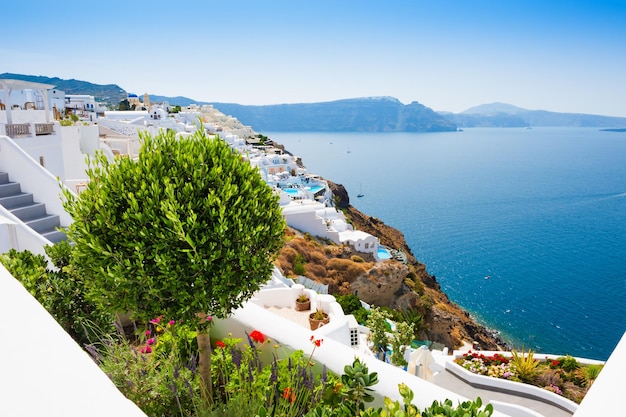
523	228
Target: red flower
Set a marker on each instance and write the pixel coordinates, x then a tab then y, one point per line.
288	394
146	349
220	344
257	336
316	342
155	321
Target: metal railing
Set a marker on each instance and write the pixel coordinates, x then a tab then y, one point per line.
23	129
15	130
44	128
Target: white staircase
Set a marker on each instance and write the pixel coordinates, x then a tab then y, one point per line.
33	214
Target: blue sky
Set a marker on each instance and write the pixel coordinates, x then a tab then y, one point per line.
567	56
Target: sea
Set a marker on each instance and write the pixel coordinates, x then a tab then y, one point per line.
523	228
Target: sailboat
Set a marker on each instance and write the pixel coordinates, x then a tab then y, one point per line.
360	194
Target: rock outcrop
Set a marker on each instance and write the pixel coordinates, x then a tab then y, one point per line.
411	286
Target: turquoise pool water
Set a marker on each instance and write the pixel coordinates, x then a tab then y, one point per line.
383	253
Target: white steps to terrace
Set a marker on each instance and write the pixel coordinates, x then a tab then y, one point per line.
33	214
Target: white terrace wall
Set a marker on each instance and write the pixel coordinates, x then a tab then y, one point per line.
44	372
606	395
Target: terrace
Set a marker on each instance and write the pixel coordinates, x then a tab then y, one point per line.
21	118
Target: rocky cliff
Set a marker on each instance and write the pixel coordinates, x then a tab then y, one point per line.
392	283
446	322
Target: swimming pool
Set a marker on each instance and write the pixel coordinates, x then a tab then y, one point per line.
295	191
383	253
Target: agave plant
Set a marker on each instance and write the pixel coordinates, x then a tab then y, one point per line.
525	365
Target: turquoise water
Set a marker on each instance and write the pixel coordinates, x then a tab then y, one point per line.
294	191
541	212
383	253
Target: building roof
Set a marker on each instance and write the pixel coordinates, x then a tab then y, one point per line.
22	85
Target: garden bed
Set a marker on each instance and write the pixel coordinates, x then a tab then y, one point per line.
561	381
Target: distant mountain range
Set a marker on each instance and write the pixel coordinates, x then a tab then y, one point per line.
507	115
369	114
109	93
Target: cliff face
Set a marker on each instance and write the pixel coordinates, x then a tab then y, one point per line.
409	285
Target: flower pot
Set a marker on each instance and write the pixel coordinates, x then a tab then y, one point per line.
315	323
303	305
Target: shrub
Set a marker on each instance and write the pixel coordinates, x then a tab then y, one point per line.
568	363
591	373
61	291
524	364
156	376
298	265
345	269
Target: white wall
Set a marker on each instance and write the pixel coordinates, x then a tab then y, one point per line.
606	395
44	372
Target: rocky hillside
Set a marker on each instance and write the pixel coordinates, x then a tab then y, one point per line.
389	283
108	93
369	114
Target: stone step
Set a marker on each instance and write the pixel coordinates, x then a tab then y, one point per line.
55	236
45	224
31	212
10	188
15	201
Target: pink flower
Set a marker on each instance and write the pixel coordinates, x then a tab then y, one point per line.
147	333
156	320
171	322
150	341
209	318
146	349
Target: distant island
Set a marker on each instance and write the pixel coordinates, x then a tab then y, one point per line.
507	115
367	114
623	130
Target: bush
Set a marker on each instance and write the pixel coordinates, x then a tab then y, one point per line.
156	377
524	364
568	363
61	291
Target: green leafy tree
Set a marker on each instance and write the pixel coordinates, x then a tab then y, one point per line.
124	105
186	231
379	329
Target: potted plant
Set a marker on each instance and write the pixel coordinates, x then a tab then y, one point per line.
303	302
318	318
